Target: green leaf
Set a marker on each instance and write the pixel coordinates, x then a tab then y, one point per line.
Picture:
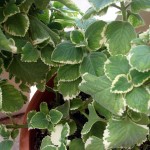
49	147
69	3
42	5
46	142
12	99
2	17
46	53
44	16
60	133
62	147
94	35
14	133
93	63
94	143
55	116
38	70
4	132
76	37
44	108
64	109
124	134
73	90
6	44
39	121
68	73
139	58
75	104
119	35
6	145
121	84
92	119
29	53
137	5
10	10
99	89
76	144
29	117
116	65
73	127
138	100
19	27
136	20
25	6
138	78
67	53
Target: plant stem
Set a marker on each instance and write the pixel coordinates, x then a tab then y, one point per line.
124	12
16	126
114	5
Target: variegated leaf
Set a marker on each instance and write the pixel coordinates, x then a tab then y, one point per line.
121	84
138	78
19	27
93	63
139	58
124	133
73	90
94	35
67	53
29	53
116	65
68	73
99	89
138	100
119	35
25	5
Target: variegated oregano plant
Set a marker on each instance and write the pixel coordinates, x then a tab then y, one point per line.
101	73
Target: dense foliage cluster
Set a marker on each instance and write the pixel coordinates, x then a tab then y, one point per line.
102	72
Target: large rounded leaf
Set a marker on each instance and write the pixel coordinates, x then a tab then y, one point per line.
11	98
139	58
119	35
99	89
33	72
124	134
67	53
68	72
116	65
95	35
93	63
19	27
138	100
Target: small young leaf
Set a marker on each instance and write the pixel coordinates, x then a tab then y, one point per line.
116	65
55	116
75	103
44	108
14	133
39	121
46	142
